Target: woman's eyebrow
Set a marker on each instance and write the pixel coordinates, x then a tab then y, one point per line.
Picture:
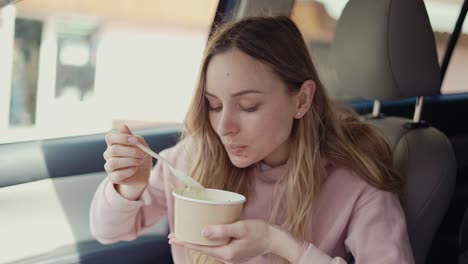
210	95
236	94
245	92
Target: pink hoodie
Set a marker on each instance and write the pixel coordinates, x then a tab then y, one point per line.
350	216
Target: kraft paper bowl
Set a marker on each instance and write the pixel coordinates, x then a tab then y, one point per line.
193	211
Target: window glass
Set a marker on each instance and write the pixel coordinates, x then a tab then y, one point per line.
443	15
76	67
26	43
317	21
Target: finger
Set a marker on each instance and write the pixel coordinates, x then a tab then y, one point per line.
123	151
224	252
220	252
125	130
234	230
120	175
114	137
114	164
175	241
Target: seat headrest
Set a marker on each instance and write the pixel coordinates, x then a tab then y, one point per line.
385	50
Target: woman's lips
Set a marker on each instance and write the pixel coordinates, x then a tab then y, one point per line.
235	149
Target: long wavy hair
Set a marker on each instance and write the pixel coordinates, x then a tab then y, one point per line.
326	132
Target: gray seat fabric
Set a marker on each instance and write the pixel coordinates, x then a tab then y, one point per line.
426	160
385	50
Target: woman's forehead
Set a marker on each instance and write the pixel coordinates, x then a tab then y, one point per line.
234	71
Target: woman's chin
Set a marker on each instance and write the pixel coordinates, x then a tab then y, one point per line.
240	161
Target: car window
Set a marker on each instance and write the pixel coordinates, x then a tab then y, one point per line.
445	14
317	21
77	67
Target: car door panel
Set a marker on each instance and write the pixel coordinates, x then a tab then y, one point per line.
48	217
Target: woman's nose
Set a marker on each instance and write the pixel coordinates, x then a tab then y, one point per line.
227	124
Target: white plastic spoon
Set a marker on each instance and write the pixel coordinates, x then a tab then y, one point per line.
189	181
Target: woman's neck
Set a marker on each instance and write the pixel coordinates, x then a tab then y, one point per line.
279	156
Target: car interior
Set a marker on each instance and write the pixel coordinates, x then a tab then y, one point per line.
403	60
387	67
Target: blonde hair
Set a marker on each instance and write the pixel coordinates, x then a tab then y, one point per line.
324	132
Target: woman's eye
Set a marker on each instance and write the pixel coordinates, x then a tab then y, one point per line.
215	109
249	109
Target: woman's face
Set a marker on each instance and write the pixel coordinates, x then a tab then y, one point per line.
250	109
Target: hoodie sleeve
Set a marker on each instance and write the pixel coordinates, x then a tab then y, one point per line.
114	218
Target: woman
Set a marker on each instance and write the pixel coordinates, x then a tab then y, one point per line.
320	184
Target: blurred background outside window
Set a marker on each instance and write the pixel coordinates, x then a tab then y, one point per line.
74	67
317	21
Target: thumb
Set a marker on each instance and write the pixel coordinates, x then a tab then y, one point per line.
234	230
125	130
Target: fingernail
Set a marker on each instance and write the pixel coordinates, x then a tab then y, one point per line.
206	232
132	140
173	242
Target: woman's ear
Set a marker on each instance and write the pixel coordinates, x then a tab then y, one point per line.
304	98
